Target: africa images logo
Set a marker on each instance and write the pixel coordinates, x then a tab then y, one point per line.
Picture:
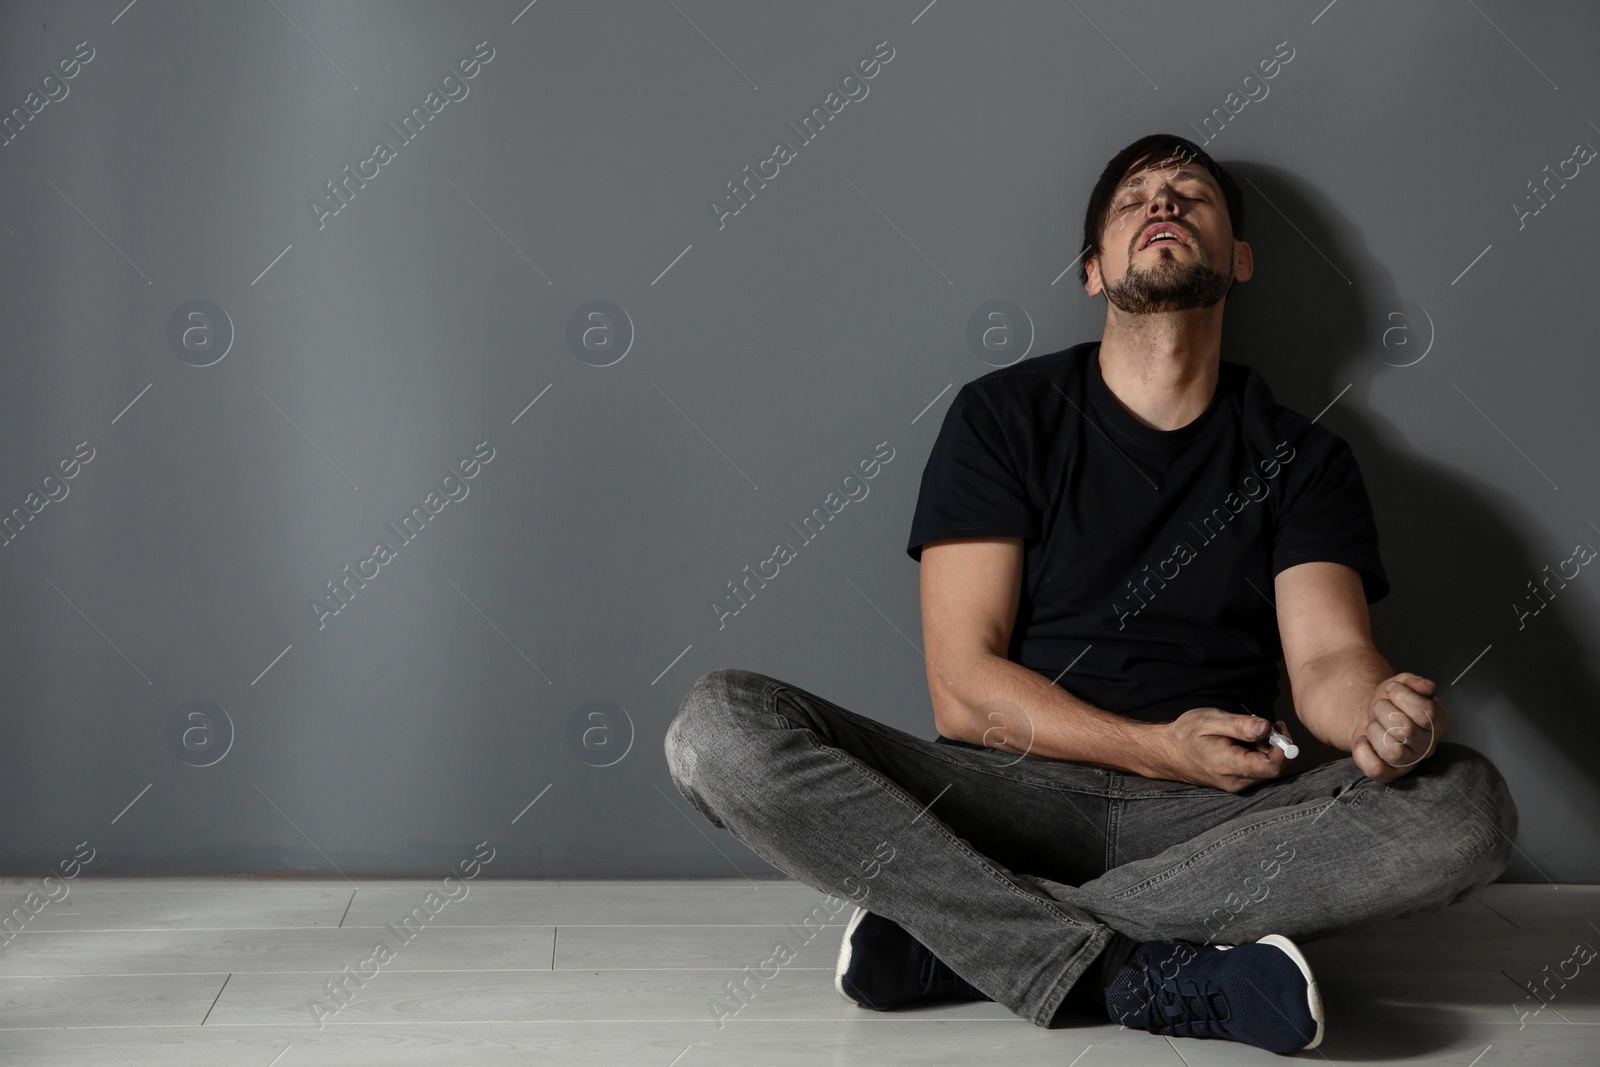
1251	490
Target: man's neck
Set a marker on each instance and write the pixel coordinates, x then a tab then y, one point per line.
1162	366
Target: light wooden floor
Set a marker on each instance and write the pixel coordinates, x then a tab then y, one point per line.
221	972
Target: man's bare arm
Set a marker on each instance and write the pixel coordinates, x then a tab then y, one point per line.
1333	690
1345	692
970	589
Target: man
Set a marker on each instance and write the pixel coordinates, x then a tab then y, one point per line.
1118	542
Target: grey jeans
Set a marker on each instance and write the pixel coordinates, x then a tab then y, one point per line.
1014	870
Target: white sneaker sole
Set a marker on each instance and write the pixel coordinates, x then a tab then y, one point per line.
843	963
1313	994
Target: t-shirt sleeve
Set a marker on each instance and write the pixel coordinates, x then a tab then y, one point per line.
1326	515
974	482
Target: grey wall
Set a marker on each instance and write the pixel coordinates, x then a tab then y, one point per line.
752	366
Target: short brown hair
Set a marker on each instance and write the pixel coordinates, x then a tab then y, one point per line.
1146	152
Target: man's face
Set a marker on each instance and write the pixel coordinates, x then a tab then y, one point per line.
1140	270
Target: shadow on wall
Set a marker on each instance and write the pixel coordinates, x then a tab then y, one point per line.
1455	564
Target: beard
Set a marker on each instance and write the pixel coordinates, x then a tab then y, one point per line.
1169	286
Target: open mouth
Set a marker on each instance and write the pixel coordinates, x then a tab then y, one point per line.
1164	236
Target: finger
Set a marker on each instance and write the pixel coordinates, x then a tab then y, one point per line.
1388	733
1413	703
1403	744
1425	686
1251	762
1369	762
1392	697
1375	767
1403	728
1240	727
1391	721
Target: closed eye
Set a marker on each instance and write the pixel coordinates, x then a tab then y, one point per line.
1135	203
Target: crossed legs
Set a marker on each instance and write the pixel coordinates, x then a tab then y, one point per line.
1015	871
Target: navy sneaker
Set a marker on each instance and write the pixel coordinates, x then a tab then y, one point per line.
881	967
1261	994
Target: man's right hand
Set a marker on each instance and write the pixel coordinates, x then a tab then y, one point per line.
1210	746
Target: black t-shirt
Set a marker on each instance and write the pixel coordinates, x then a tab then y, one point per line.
1149	555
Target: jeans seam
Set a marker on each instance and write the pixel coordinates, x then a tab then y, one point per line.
1113	822
1183	865
1053	1003
769	704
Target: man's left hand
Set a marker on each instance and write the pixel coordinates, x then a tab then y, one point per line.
1403	726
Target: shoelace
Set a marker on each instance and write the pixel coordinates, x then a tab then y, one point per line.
1177	1006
